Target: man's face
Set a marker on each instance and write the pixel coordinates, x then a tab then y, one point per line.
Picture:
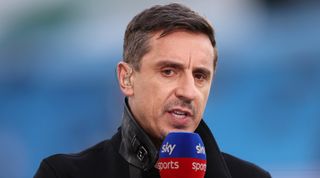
170	91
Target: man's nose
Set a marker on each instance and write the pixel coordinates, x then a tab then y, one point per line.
186	88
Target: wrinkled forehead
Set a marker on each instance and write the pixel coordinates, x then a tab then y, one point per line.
183	46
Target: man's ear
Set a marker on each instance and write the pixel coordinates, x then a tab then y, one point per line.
125	75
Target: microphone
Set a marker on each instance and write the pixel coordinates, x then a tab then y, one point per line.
182	154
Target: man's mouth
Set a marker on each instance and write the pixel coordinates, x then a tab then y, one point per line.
179	113
180	118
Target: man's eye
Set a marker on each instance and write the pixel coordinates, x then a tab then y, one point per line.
200	76
167	72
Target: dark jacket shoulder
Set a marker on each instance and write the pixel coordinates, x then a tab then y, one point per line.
243	169
93	162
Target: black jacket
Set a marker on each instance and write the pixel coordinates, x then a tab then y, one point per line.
131	154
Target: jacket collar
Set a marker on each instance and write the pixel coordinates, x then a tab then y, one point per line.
216	165
137	148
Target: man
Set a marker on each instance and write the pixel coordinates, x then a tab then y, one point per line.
169	63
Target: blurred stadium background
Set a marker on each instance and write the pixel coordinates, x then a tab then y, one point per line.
58	88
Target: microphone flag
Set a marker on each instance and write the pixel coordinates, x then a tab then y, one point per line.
182	154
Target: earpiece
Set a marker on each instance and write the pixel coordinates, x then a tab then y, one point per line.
127	79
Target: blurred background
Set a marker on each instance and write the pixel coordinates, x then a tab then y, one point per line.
59	94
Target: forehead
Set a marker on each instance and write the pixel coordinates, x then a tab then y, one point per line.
181	46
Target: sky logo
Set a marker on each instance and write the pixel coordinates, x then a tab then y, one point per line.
168	148
200	149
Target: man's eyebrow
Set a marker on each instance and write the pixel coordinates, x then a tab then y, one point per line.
169	63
